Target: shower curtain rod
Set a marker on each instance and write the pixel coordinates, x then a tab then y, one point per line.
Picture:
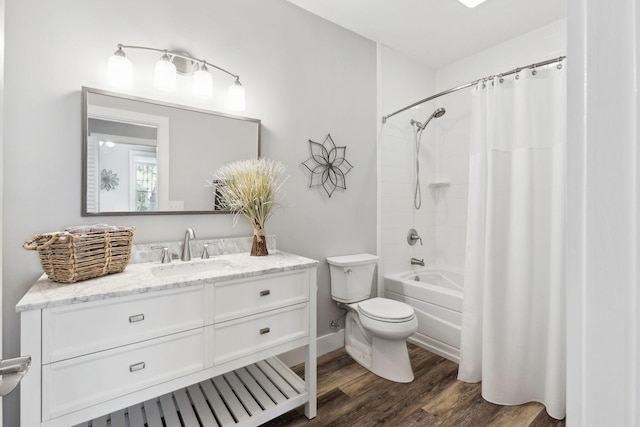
473	83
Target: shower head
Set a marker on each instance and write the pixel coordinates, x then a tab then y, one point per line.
439	112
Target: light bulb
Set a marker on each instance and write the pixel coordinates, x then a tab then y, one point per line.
165	74
236	96
471	3
120	70
203	83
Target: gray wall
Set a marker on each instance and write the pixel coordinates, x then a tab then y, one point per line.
304	78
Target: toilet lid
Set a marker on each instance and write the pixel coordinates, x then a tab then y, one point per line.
386	310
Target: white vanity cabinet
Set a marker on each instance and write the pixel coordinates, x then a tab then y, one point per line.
198	352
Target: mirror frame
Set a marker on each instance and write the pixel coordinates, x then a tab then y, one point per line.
85	131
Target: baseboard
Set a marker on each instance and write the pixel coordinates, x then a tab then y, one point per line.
326	343
435	346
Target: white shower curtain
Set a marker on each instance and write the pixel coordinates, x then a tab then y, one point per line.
513	324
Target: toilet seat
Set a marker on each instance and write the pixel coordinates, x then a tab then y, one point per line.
386	310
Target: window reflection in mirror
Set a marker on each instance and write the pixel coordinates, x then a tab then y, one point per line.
126	153
148	157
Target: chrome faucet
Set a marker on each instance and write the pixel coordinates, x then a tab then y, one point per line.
416	261
186	250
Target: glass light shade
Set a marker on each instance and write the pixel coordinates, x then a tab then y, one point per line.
165	75
236	96
203	83
120	72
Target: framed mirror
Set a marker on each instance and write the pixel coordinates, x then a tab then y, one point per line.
146	157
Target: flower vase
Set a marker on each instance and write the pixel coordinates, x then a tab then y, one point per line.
259	246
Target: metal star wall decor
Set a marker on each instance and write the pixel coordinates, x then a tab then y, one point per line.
327	165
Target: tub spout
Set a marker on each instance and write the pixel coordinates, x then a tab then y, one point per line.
416	261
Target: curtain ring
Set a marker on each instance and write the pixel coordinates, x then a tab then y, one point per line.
534	71
559	66
517	73
500	78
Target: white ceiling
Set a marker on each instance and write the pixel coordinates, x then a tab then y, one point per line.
437	32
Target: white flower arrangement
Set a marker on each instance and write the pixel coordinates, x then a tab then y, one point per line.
252	188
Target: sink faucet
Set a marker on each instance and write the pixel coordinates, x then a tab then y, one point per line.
186	250
416	261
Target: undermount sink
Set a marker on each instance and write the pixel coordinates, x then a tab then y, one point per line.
194	267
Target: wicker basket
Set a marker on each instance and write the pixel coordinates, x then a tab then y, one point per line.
70	257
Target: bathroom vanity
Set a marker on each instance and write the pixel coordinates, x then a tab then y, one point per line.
193	342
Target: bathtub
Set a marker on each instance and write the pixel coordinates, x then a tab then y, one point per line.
436	297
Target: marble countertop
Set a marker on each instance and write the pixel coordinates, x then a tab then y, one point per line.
149	277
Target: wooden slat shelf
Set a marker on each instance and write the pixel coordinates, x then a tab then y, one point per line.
243	397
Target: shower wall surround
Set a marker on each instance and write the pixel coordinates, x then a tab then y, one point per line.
402	82
441	221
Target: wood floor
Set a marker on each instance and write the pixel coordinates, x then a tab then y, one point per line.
349	395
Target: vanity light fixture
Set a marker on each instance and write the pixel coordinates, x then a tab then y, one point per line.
121	74
235	94
120	70
471	3
203	82
166	74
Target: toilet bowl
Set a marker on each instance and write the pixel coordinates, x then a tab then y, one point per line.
378	343
376	329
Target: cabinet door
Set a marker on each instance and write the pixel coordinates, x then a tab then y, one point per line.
79	329
78	383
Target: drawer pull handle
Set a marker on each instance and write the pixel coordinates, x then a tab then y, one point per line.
265	293
136	318
264	331
136	367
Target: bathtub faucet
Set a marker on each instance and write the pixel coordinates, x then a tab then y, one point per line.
412	237
416	261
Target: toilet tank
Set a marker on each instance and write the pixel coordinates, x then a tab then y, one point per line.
352	276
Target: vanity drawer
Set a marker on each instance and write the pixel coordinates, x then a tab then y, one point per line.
244	297
248	335
79	329
74	384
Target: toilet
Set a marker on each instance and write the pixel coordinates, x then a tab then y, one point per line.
376	329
